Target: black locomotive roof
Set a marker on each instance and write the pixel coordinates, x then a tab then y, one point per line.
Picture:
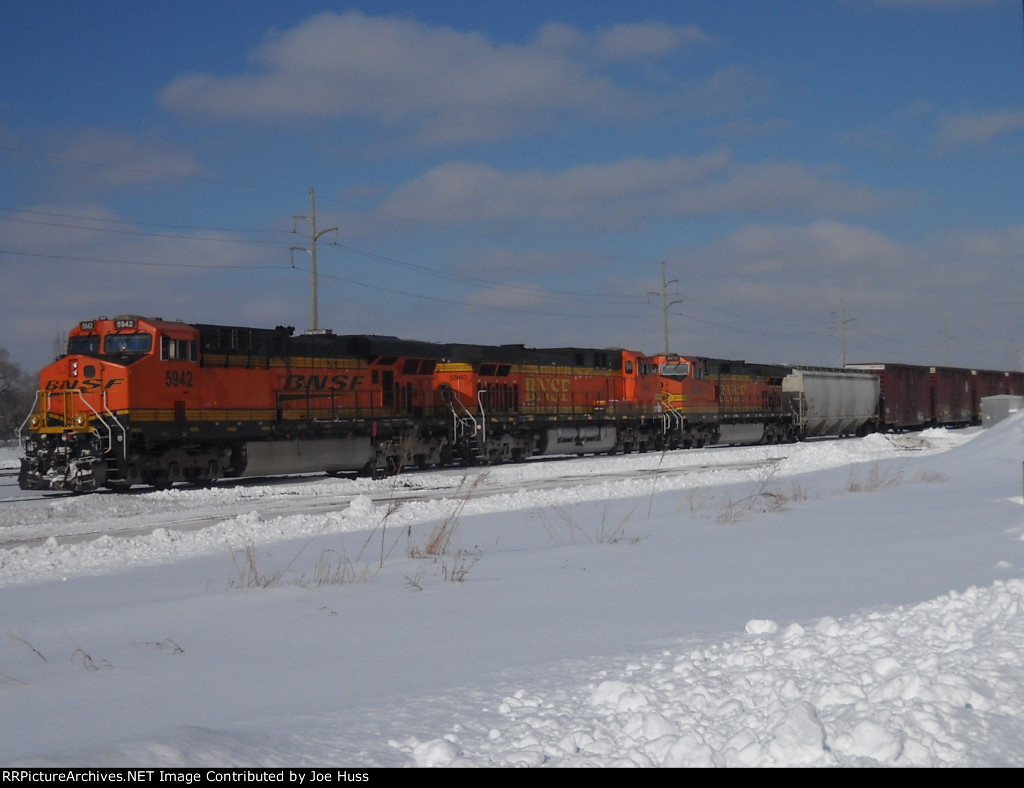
281	341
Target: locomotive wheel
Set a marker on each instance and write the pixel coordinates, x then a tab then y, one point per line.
199	479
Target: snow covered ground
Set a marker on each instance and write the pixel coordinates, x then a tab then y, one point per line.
851	603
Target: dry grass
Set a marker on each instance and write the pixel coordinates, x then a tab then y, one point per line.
456	568
87	661
608	530
334	568
877	478
247	570
453	567
440	537
166	645
249	574
22	642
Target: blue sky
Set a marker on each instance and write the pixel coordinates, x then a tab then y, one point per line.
518	172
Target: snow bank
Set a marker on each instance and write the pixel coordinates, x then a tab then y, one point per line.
560	649
938	684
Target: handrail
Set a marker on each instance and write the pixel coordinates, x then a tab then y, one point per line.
672	415
113	417
483	416
22	439
446	393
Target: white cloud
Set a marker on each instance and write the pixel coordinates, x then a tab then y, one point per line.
971	129
448	85
628	41
935	3
117	160
605	196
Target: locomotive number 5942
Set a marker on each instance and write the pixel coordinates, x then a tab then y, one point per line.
178	379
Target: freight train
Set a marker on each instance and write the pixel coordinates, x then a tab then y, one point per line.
139	400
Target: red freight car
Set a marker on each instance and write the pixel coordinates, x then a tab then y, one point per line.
990	383
905	401
952	403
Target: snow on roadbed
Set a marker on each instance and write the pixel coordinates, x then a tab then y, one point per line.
613	477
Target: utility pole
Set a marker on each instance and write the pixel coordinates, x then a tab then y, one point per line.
842	328
665	303
311	250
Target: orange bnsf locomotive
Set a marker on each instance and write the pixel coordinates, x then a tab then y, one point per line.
148	401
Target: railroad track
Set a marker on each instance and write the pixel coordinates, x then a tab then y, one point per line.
9	482
293	500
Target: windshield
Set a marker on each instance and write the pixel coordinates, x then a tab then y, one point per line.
84	346
675	369
115	344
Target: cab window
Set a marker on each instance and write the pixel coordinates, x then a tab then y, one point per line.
84	346
172	349
677	369
116	344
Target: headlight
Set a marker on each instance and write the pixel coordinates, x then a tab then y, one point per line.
33	423
80	420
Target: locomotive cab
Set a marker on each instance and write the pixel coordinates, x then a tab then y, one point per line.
74	421
674	367
723	401
78	434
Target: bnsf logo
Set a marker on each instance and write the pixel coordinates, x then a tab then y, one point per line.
548	390
87	384
322	382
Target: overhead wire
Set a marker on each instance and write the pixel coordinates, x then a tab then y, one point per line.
490	307
138	233
162	264
560	295
548	293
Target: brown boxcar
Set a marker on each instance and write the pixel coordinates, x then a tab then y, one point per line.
904	401
989	383
951	399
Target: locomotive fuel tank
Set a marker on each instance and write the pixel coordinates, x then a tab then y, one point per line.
585	439
278	458
740	434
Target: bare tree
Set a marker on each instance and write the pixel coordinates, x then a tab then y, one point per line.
16	391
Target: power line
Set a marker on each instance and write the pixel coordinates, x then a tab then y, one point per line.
134	223
554	294
550	293
138	233
141	171
491	307
75	259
